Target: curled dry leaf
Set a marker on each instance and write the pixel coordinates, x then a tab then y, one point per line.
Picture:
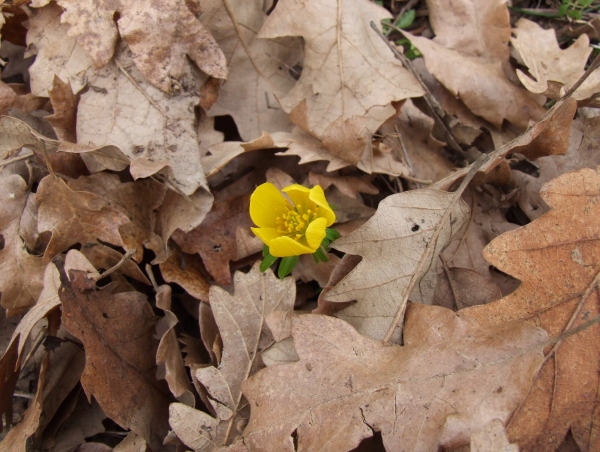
393	243
553	69
160	35
555	297
185	270
260	70
349	78
471	63
20	272
241	321
450	378
116	329
155	130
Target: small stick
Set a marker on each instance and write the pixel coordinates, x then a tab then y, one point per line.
115	267
15	159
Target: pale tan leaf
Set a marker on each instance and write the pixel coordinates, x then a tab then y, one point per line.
131	443
492	438
348	70
148	125
241	321
553	69
450	378
259	69
195	428
393	243
57	53
160	35
348	185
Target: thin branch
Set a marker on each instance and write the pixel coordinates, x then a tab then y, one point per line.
115	267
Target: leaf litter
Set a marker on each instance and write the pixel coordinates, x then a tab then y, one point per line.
459	309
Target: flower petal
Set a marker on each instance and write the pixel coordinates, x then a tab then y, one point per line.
266	205
266	234
286	246
315	233
318	197
298	194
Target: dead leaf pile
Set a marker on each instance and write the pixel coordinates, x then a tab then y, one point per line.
457	143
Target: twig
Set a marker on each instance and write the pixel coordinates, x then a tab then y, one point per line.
432	243
115	267
15	159
583	78
436	109
151	277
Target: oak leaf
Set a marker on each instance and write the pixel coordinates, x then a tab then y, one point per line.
155	130
393	243
241	320
349	73
565	242
116	329
160	35
553	69
449	379
260	70
470	62
57	54
20	272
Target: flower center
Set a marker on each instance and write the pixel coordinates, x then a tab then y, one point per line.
295	221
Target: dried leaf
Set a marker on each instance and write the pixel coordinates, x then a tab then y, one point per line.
338	82
155	130
160	35
57	53
470	63
553	69
492	438
240	318
116	330
185	270
556	258
215	238
259	69
348	185
64	103
20	272
450	378
392	245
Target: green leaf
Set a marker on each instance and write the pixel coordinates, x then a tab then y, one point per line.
332	234
267	262
407	19
585	3
562	9
575	14
320	254
265	251
286	266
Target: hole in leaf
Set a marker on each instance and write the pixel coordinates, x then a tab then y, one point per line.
295	439
415	228
226	124
1	242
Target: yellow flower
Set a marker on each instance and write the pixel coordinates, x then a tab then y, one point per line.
292	226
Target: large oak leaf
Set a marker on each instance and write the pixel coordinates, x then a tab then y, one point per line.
450	378
557	258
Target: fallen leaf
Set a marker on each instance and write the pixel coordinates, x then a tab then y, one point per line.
215	238
348	74
492	438
131	443
349	185
75	217
64	103
116	329
57	54
185	270
581	153
240	318
470	63
450	378
20	272
168	354
553	69
564	394
463	287
259	69
159	34
155	130
393	243
17	96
